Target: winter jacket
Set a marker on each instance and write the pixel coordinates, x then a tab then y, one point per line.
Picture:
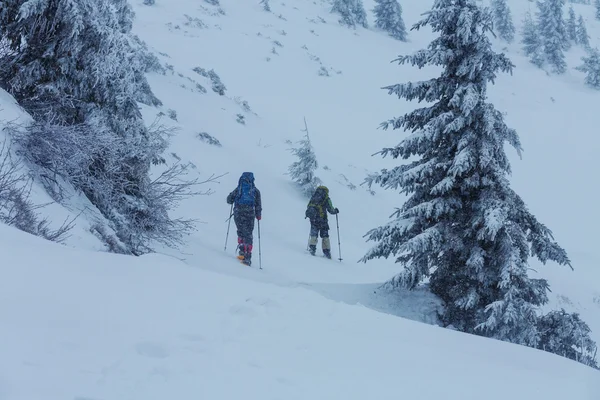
254	210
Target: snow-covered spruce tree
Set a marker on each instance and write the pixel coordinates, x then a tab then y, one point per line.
597	5
581	34
566	334
553	33
74	65
572	25
149	2
591	66
352	12
532	43
388	16
303	170
462	226
503	20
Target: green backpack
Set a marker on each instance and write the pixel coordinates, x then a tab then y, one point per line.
316	205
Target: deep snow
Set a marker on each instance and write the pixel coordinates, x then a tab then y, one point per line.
194	322
83	325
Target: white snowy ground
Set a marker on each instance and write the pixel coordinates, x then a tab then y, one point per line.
85	325
82	325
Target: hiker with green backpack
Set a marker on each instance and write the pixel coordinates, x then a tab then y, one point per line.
316	211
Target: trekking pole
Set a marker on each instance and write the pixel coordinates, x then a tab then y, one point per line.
338	235
259	253
228	225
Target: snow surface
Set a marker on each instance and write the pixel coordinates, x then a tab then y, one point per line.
78	324
83	325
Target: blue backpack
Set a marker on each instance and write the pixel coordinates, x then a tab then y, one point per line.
246	190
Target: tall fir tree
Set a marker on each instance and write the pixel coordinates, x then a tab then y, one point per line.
572	25
532	43
591	66
388	16
503	20
303	170
463	227
352	12
76	63
553	33
581	34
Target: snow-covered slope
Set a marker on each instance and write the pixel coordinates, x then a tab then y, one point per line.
84	325
194	322
554	116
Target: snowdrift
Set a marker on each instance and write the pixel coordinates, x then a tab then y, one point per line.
81	325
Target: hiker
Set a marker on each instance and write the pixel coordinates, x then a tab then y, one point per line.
247	206
317	209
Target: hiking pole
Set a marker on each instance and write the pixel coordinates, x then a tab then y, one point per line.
338	234
228	225
259	253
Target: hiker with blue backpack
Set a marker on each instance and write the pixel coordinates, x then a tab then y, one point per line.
246	202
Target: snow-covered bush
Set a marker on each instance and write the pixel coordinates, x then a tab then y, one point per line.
172	114
572	25
215	79
78	70
209	139
96	163
303	170
566	334
581	34
388	16
266	5
532	43
591	66
503	20
352	12
553	34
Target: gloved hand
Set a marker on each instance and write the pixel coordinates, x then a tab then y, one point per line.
258	217
336	211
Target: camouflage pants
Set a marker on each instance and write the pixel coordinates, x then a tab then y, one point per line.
244	223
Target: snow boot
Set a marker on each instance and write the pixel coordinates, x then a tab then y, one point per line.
326	247
245	254
312	244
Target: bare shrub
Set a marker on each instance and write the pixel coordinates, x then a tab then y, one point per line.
16	209
93	162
